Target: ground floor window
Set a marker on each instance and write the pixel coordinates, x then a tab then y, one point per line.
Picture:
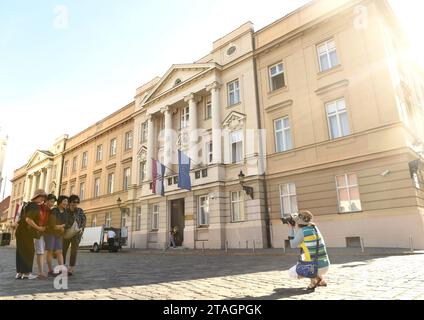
155	217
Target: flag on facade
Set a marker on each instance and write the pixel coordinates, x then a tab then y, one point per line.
184	181
158	173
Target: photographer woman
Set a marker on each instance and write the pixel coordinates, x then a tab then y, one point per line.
305	235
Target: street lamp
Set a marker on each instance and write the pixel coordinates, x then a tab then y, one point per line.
248	190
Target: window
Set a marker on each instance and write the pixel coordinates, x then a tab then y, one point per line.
84	161
127	174
97	187
138	219
123	218
185	117
348	193
108	219
63	190
209	152
233	93
113	147
110	183
236	140
155	217
327	55
208	109
72	190
338	122
288	199
65	168
237	207
203	211
94	221
99	153
276	77
144	132
82	191
74	164
142	171
128	140
282	135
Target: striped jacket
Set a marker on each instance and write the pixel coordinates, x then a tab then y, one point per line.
306	239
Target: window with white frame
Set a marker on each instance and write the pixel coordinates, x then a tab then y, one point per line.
233	92
127	175
236	141
108	219
237	206
84	161
142	171
128	140
82	191
276	77
110	183
338	121
208	109
144	132
155	217
288	199
203	217
74	164
283	137
123	218
327	55
65	168
138	219
97	187
348	193
94	221
113	145
99	153
209	152
185	117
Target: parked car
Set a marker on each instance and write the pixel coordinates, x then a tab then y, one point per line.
96	239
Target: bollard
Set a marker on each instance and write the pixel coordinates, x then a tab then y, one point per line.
284	247
254	247
362	245
203	247
247	244
226	246
239	244
411	244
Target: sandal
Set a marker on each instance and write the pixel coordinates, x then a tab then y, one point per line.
312	287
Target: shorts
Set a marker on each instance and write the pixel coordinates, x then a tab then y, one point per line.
54	243
293	274
40	245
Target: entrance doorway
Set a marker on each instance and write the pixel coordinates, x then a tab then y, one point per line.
177	220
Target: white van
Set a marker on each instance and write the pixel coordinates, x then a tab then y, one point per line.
92	239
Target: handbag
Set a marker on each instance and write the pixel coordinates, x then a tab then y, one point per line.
309	269
72	231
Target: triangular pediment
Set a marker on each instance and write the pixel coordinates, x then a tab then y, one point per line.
234	120
142	154
176	76
39	156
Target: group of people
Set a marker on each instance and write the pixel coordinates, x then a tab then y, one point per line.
48	227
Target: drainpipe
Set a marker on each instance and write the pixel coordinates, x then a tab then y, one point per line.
261	151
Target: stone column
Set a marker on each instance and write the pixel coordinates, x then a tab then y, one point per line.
33	186
192	103
28	182
168	139
150	147
216	122
43	179
48	179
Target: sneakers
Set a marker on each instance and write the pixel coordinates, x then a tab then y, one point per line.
18	276
29	277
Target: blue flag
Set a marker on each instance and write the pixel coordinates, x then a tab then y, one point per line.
184	181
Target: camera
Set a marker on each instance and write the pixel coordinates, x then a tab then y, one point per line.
290	219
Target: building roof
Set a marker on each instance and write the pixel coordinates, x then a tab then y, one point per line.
47	153
4	207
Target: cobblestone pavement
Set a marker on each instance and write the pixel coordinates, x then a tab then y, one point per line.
145	275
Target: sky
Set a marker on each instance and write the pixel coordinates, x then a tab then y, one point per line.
66	64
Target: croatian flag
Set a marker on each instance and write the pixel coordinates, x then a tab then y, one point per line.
184	181
158	172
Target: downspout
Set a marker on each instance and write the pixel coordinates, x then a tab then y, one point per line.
261	151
